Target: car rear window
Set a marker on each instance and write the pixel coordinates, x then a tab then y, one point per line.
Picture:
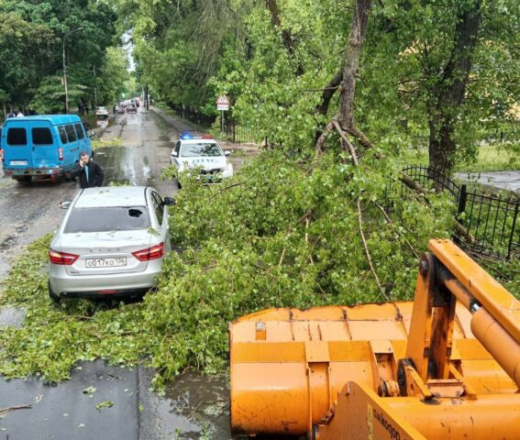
17	136
79	130
70	133
41	136
130	218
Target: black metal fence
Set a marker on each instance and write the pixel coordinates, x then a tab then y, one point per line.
237	133
233	132
192	115
490	219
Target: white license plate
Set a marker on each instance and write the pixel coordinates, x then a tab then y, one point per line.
18	162
105	262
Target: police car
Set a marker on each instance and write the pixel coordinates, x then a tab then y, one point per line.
203	155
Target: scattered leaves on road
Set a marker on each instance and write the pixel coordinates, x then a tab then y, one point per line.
104	404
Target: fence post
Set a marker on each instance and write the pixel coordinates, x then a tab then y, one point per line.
463	198
509	248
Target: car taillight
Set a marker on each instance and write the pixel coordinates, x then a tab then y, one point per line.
60	153
62	258
2	154
150	254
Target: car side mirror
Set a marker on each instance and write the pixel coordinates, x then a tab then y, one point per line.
227	153
175	154
65	204
169	201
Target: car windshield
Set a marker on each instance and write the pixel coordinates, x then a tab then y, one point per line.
129	218
205	149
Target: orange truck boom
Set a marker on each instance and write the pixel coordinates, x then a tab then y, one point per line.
445	366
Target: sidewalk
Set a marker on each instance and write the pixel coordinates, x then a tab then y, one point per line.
241	152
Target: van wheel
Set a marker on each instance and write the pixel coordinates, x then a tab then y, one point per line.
55	298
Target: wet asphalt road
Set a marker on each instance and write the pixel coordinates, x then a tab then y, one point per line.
194	406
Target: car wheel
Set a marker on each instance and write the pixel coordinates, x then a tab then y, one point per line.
52	294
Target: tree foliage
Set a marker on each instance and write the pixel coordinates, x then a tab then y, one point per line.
419	83
31	41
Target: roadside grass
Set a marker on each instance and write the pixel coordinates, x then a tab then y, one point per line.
489	158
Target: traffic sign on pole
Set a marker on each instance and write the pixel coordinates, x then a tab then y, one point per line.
223	103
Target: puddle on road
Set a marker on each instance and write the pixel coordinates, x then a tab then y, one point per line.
196	406
117	164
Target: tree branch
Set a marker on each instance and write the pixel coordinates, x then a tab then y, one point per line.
367	252
412	184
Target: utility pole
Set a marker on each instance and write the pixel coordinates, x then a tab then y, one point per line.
146	99
95	87
65	68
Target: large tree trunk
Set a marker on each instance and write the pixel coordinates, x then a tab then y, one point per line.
449	93
353	51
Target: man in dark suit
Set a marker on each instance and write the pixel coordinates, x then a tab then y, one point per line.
89	172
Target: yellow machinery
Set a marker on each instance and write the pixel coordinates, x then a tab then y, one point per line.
446	366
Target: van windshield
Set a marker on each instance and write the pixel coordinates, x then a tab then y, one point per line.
128	218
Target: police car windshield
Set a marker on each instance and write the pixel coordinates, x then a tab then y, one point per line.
204	149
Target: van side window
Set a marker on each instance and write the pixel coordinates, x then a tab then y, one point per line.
71	133
17	136
79	130
63	134
41	136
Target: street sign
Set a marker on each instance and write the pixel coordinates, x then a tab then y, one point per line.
223	103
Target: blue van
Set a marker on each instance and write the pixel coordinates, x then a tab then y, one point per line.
44	145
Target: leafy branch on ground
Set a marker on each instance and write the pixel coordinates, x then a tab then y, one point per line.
287	236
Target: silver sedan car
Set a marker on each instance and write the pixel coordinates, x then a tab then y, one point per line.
111	242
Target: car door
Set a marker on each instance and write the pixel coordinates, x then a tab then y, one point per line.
44	146
161	213
15	142
83	140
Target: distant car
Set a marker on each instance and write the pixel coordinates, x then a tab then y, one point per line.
131	108
203	154
111	243
101	110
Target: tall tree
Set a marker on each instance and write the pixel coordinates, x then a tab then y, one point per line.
449	91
